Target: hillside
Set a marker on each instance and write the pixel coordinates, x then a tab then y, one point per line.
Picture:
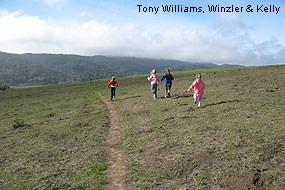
17	69
235	141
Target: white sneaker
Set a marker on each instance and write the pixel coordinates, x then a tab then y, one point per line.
154	97
199	105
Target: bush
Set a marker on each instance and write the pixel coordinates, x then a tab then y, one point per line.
4	87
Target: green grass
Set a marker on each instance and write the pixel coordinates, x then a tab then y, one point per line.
236	141
63	148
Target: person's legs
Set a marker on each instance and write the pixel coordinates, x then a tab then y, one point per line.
166	90
169	89
200	101
195	98
154	90
113	92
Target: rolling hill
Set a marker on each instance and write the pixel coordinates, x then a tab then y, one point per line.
24	69
56	137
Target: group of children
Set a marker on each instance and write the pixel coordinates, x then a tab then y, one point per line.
154	80
198	86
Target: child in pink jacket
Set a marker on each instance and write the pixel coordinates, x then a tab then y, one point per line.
199	87
154	80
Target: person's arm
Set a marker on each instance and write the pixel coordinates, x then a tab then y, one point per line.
203	85
117	84
172	78
108	86
189	89
149	78
191	86
163	77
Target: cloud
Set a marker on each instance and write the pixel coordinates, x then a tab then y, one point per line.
270	51
54	2
222	43
85	14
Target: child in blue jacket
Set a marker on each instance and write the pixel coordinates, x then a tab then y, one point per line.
167	78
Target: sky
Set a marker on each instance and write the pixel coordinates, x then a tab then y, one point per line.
119	28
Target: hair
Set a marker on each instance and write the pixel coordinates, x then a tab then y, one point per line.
167	70
198	76
113	77
153	71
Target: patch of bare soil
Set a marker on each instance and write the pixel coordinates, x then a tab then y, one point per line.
187	166
245	180
190	109
20	124
116	171
144	129
271	150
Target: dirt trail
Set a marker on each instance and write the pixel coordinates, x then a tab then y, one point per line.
116	172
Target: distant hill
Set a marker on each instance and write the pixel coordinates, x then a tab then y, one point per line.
21	69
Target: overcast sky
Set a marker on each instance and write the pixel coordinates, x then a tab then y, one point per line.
116	27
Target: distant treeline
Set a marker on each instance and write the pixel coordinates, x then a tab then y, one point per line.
19	69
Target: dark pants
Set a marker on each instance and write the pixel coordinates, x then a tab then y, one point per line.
167	89
113	92
168	86
154	89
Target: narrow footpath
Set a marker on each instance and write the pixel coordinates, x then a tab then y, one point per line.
116	172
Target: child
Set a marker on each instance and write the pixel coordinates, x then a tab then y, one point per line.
199	87
154	80
167	78
113	84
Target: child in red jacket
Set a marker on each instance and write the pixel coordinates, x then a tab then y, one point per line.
113	84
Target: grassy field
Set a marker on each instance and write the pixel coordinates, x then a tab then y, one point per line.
58	142
235	141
